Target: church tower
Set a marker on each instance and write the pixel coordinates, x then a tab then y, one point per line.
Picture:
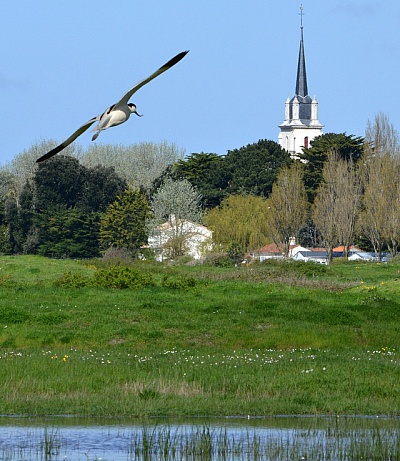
301	123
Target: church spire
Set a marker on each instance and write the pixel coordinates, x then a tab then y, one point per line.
301	81
301	124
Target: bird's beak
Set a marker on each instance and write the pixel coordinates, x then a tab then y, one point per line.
138	114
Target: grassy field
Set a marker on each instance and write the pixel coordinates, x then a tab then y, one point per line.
274	338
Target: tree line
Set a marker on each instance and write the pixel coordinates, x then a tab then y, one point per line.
344	190
81	203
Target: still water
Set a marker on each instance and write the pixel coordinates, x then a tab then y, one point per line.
269	439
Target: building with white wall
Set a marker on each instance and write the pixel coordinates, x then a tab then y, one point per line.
193	239
301	124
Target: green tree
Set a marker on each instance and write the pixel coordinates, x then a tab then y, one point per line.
26	222
14	234
18	218
5	247
124	223
240	220
59	181
68	232
204	172
6	181
63	189
101	187
62	180
253	169
347	147
235	253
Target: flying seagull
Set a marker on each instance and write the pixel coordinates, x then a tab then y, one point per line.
116	114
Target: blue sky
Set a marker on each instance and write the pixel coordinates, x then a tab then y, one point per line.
65	62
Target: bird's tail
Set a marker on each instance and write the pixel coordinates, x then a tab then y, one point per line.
95	135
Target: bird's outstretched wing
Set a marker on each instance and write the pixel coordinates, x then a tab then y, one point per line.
124	100
127	96
68	141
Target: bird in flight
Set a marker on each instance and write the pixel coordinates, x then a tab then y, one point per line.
116	114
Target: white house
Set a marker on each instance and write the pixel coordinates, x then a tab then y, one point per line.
320	257
362	256
194	239
295	249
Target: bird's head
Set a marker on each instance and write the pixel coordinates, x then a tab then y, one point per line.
132	107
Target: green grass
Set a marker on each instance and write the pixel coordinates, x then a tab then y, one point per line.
266	339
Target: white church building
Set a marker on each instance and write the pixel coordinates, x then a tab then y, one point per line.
301	124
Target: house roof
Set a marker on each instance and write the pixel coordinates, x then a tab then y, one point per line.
314	254
362	255
272	248
318	254
342	248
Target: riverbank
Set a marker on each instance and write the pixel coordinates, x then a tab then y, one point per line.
259	340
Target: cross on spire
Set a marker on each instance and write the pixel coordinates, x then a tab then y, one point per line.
301	15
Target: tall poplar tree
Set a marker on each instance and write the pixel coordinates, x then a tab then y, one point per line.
287	206
337	204
380	217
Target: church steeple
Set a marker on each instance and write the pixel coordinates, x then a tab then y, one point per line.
301	124
301	81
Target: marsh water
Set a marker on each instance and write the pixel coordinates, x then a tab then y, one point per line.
230	438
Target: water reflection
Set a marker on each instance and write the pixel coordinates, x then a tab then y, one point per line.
270	439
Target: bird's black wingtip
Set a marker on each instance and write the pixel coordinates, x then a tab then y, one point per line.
41	159
50	154
176	59
44	157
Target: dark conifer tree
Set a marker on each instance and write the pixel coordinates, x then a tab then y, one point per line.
347	147
69	199
253	169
